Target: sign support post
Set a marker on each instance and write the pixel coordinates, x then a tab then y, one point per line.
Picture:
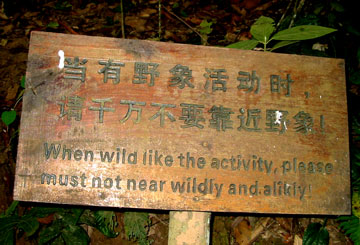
189	228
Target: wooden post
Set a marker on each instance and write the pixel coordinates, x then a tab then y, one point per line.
189	228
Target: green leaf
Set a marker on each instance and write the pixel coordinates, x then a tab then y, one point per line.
262	29
7	223
282	44
58	241
355	77
62	5
316	234
355	204
337	6
7	229
50	233
88	218
29	224
77	213
205	27
351	226
53	25
7	238
136	224
70	216
22	81
246	44
41	212
352	29
106	222
304	32
8	117
74	234
11	209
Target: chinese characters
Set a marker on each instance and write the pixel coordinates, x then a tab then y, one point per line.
187	114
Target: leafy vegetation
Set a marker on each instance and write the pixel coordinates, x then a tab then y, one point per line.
351	226
263	32
205	29
55	225
136	226
316	233
9	116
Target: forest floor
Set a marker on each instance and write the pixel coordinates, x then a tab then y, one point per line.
180	23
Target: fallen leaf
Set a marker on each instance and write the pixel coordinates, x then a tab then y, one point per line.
194	20
3	16
11	92
265	6
117	17
297	240
239	10
243	233
46	220
87	10
38	22
285	223
260	227
320	47
230	37
136	23
147	12
3	42
170	35
29	14
250	4
8	28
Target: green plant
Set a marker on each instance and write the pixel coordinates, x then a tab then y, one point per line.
62	5
53	25
54	225
204	30
263	32
351	226
316	233
9	116
136	226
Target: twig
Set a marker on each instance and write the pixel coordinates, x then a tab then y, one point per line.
67	27
122	19
159	20
19	98
30	86
284	14
184	22
297	9
160	220
263	227
237	221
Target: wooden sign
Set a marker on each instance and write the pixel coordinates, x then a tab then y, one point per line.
142	124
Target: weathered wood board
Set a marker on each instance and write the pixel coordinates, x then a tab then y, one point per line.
141	124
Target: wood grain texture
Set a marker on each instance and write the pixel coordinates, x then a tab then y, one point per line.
269	165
